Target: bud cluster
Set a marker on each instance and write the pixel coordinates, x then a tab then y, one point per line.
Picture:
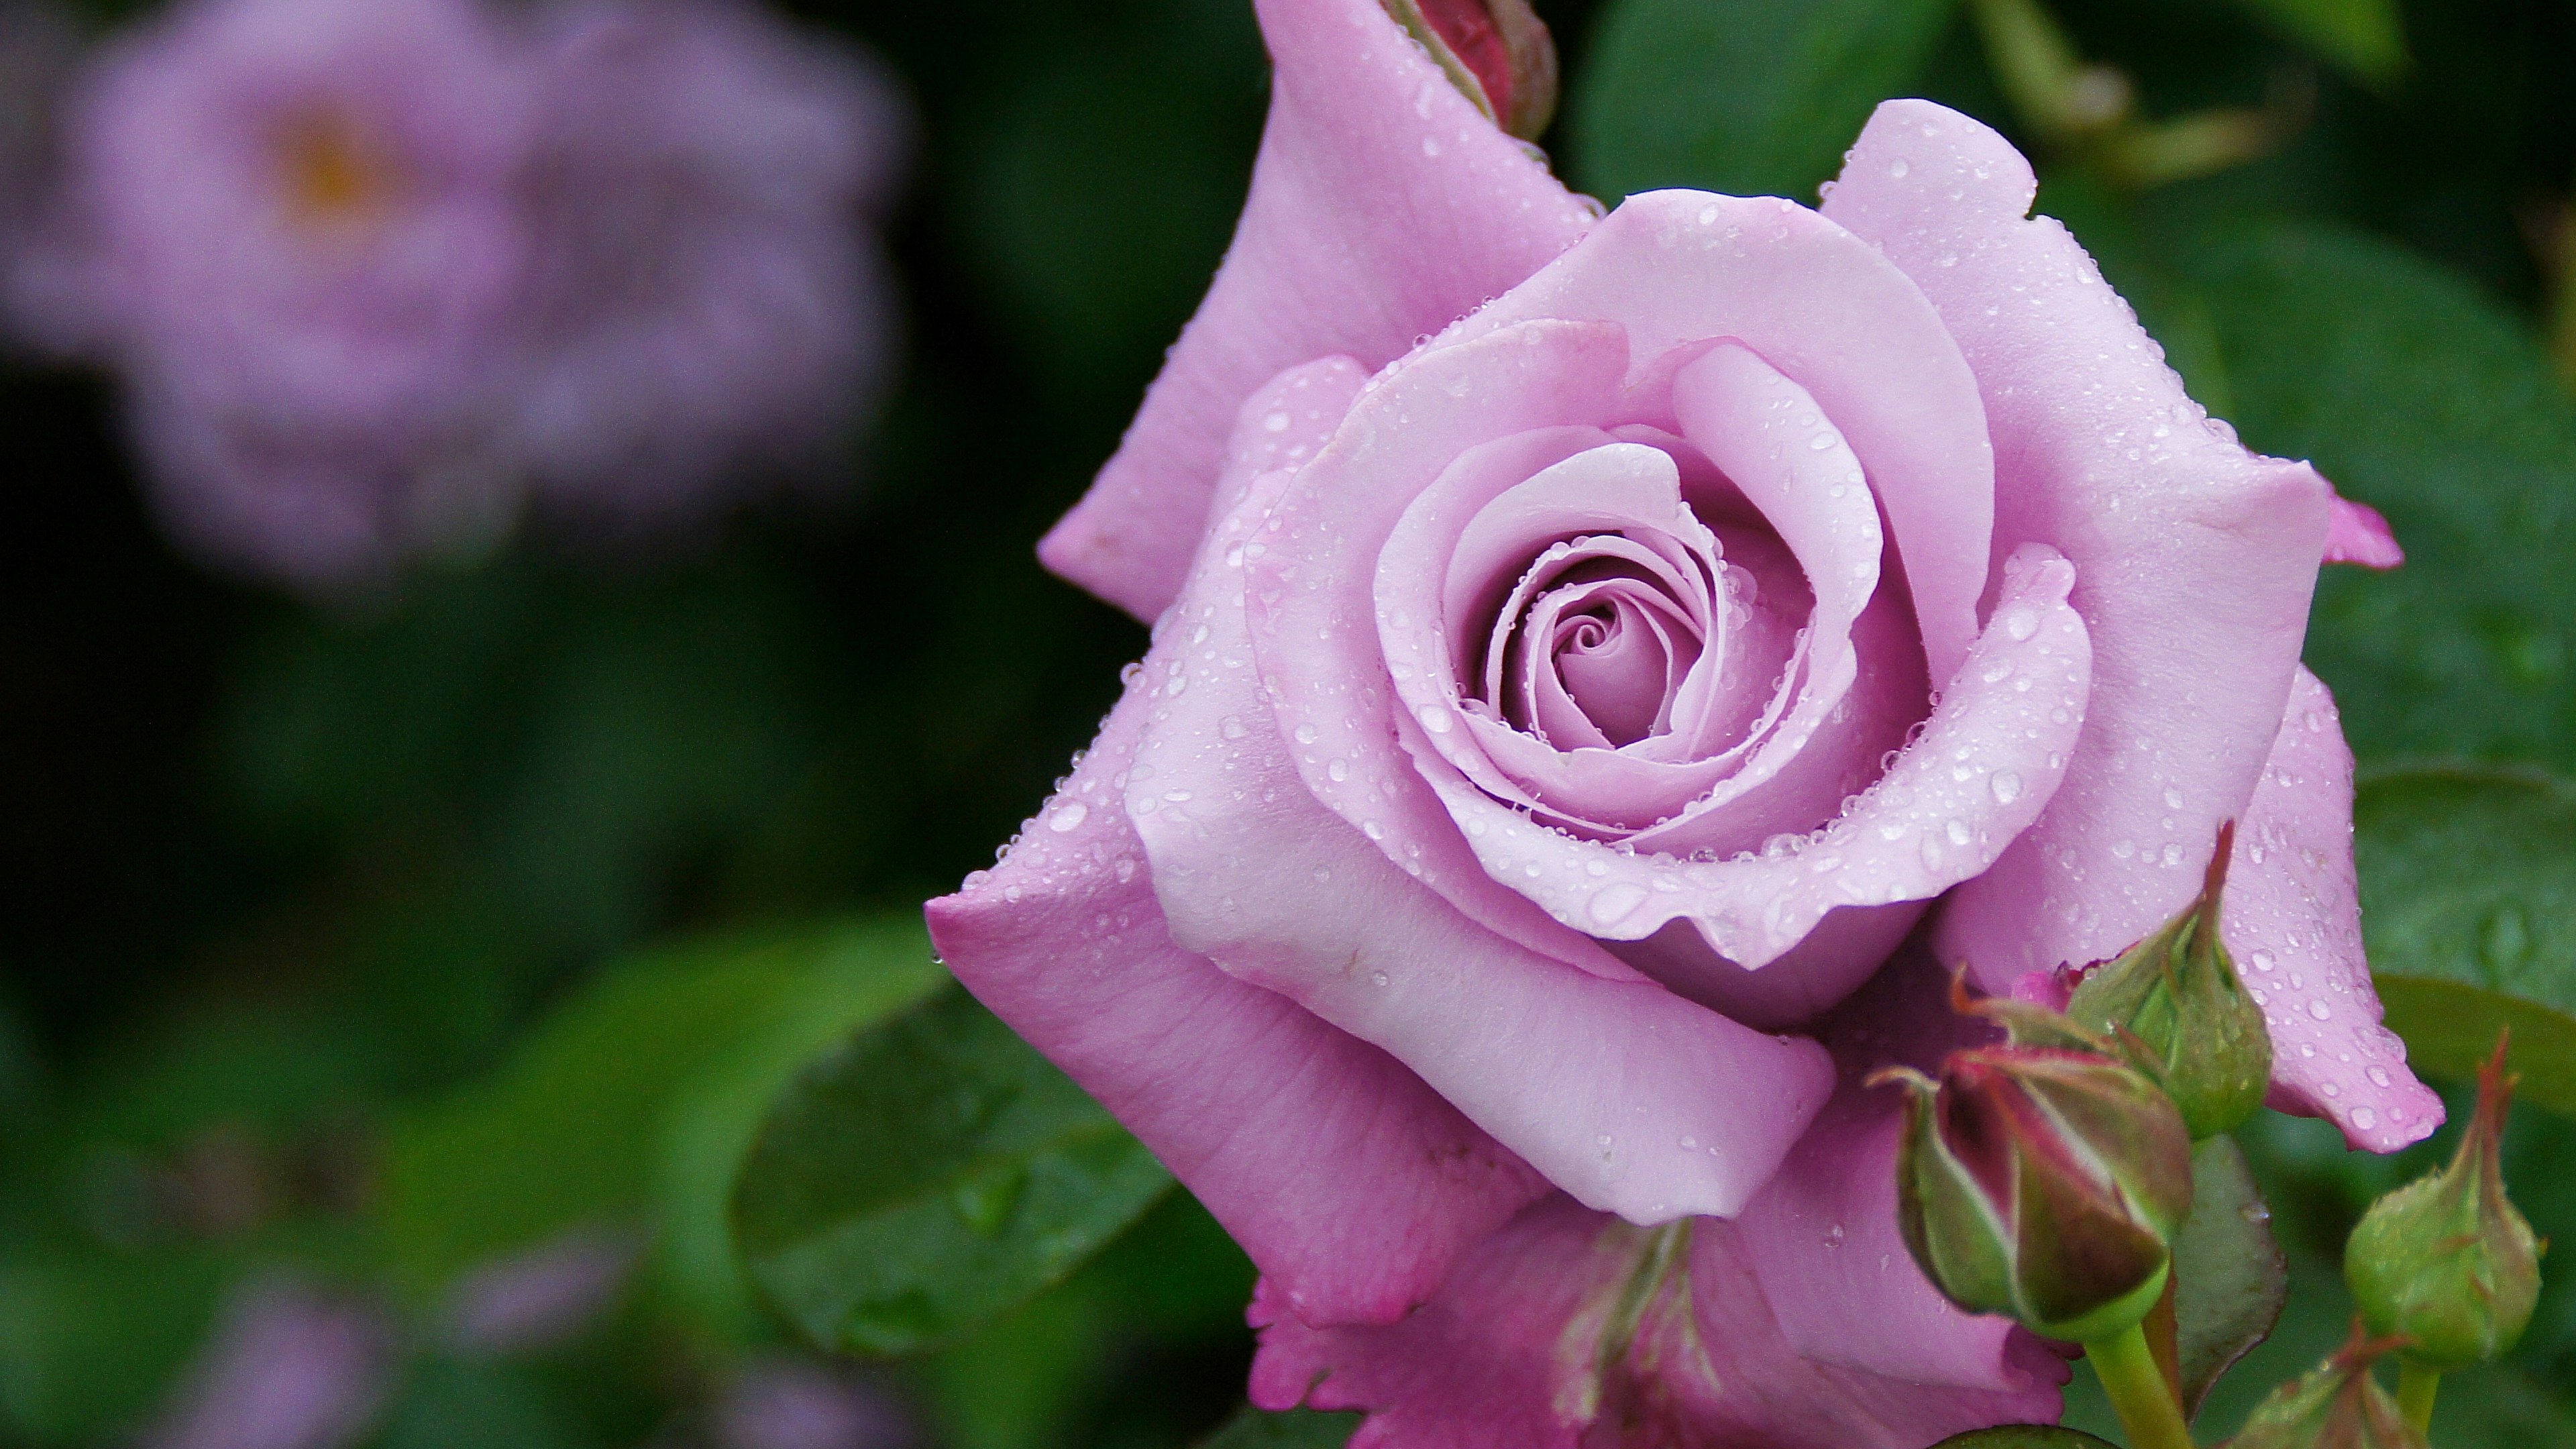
2044	1182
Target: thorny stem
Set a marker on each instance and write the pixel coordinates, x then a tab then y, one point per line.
2127	1368
2416	1388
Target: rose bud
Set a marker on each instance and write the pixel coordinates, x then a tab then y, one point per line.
1497	52
2044	1184
2336	1406
2448	1261
2175	998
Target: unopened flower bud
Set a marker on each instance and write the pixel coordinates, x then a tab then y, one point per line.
2336	1406
2448	1261
2043	1183
2176	1001
1496	51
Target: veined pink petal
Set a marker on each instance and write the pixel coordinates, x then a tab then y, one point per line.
1823	1237
2358	534
1384	206
1602	1085
1520	1351
2292	919
2194	558
1678	268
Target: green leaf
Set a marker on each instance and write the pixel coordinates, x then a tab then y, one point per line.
1751	97
2230	1279
2468	882
2418	395
593	1120
90	1338
2025	1436
931	1174
2365	37
1296	1429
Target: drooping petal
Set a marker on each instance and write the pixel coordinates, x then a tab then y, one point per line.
2292	919
1603	1085
1350	1182
2194	558
1527	1347
1384	206
2359	534
1823	1237
1679	268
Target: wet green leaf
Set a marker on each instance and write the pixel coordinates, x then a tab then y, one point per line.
633	1101
1296	1429
2230	1278
2424	398
933	1173
2468	879
1753	97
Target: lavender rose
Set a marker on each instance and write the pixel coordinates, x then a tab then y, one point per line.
1572	748
374	271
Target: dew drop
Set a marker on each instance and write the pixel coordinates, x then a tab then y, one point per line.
2020	624
2006	785
1068	817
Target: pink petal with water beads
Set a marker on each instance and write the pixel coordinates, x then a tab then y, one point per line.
2292	920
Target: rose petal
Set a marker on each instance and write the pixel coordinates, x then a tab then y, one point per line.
1599	1084
1508	1356
1677	268
1475	523
1314	614
1347	1180
1823	1237
1384	206
2292	918
2359	534
1989	757
2194	558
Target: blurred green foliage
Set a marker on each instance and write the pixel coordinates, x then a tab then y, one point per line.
373	945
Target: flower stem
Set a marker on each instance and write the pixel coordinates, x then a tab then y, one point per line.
2128	1371
2415	1390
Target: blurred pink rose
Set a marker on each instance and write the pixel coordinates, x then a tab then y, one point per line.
1747	613
376	271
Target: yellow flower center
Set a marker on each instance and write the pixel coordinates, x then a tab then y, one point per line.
332	176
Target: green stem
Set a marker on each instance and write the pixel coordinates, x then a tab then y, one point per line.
2127	1368
2415	1390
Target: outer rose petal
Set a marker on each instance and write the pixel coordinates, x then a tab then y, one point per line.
2194	558
1823	1237
1603	1085
1350	1183
1384	206
1341	1174
2292	918
1506	1357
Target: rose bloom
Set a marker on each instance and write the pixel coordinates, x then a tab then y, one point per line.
373	270
1575	747
705	303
